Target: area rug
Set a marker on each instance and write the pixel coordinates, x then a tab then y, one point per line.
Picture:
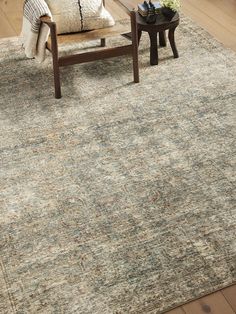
118	198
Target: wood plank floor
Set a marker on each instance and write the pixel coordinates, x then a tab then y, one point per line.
218	17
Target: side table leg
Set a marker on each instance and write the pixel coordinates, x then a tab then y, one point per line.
162	39
139	35
172	42
153	48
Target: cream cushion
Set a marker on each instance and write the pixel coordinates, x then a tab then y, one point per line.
79	15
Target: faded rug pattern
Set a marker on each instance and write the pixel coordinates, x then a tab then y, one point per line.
118	198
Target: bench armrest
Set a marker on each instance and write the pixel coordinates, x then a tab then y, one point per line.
46	19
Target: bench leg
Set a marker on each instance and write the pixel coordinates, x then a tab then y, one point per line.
56	70
57	82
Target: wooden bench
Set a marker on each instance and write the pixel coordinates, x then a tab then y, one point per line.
120	28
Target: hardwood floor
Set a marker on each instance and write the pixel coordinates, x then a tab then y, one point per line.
10	17
218	17
221	302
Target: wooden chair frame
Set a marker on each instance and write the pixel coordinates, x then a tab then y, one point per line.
131	49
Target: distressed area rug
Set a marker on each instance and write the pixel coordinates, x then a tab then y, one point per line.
118	198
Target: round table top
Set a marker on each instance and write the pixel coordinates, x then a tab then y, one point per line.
162	22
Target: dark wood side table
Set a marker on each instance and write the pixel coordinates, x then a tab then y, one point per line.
162	24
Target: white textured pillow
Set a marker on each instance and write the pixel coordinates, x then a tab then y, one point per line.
79	15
